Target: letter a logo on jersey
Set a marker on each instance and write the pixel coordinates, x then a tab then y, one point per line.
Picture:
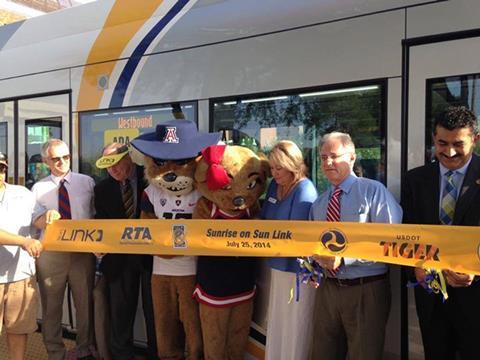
171	135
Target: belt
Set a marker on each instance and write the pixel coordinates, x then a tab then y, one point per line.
357	281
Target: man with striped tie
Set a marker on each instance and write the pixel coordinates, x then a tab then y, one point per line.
64	195
353	300
447	192
118	197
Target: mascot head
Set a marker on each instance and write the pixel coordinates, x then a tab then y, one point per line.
171	153
231	177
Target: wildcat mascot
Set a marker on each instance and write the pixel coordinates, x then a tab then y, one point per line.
171	153
230	179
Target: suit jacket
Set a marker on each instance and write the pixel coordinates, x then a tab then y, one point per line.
420	202
421	196
108	197
109	205
124	272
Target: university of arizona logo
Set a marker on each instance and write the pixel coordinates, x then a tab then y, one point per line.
171	135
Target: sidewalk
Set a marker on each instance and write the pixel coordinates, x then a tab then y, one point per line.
35	348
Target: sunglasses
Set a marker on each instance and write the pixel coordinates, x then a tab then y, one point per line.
58	158
3	168
181	162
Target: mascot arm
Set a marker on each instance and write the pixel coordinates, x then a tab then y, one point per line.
202	209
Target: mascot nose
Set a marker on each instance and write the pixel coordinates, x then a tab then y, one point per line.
238	201
170	177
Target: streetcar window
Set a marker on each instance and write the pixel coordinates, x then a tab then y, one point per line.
3	137
98	128
462	90
304	116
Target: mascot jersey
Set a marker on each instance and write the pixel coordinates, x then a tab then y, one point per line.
168	206
225	281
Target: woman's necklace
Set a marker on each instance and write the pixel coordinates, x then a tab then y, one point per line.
284	190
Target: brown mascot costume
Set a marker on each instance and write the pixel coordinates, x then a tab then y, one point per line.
230	179
171	154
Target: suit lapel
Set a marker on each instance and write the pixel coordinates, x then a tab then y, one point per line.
117	198
433	193
470	187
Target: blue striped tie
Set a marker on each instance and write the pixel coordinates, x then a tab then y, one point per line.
449	197
64	201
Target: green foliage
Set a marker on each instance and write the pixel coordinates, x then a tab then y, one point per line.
304	120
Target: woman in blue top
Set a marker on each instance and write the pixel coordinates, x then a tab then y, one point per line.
289	197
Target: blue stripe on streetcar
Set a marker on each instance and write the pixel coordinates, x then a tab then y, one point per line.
126	76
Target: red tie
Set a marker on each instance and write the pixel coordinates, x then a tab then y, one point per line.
64	201
333	209
333	214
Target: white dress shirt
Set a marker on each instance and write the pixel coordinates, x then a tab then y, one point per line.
80	193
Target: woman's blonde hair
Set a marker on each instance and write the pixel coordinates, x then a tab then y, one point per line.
287	155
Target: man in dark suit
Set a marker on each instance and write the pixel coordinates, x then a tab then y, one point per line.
119	197
448	192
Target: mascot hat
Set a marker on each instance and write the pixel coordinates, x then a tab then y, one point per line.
174	140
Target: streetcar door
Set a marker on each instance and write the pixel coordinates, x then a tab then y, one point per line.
25	124
439	74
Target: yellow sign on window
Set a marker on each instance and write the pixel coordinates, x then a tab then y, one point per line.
122	136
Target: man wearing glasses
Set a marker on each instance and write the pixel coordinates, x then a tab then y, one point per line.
447	192
64	195
18	288
353	300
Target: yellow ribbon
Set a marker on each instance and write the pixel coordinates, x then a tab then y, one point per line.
438	283
429	246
